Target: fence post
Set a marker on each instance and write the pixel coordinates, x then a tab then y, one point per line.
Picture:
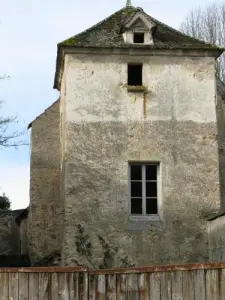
85	284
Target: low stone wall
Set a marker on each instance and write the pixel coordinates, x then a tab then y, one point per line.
9	233
216	234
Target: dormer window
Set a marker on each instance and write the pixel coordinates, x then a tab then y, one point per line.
138	30
139	37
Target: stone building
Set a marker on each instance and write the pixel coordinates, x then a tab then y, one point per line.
132	154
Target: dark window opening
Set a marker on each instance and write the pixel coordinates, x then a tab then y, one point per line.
151	172
136	189
151	189
136	172
135	75
139	38
136	206
144	189
151	206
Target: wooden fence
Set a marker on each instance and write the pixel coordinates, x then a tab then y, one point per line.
186	282
43	284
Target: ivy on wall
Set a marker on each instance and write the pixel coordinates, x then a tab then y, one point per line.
110	253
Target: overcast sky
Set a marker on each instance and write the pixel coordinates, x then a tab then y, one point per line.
29	32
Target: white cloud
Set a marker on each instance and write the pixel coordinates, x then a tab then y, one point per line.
14	182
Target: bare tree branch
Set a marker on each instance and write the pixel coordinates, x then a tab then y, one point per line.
10	138
208	24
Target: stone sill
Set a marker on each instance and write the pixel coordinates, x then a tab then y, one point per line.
154	218
136	88
146	223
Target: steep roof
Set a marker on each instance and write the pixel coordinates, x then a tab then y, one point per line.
108	34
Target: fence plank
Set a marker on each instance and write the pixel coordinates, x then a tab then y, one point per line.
101	291
188	285
166	286
77	283
221	283
212	291
132	287
154	284
92	286
23	286
14	286
143	286
33	286
177	283
72	286
111	291
44	286
85	285
54	289
121	287
199	280
63	286
4	288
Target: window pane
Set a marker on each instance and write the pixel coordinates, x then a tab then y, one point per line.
135	171
151	206
136	189
136	206
151	189
151	172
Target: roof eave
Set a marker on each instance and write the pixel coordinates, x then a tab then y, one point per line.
59	65
219	51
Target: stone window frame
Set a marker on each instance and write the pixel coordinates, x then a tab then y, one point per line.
144	216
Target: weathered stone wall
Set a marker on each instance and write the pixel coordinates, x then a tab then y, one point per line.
44	211
220	109
216	226
23	236
62	155
106	127
9	234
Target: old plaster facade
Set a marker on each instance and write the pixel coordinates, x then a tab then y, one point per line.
106	129
85	145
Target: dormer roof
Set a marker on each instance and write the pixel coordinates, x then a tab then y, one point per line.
139	19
